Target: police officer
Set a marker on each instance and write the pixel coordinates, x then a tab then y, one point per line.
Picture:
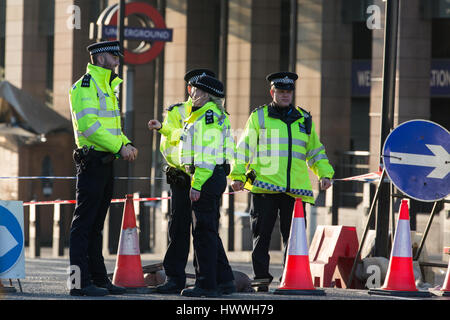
180	220
274	153
206	149
100	140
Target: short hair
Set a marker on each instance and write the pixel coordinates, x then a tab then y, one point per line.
94	57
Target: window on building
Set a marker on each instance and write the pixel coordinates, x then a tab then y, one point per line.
361	64
440	55
47	32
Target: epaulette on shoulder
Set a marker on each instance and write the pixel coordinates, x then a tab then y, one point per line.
308	120
170	108
86	81
257	108
307	113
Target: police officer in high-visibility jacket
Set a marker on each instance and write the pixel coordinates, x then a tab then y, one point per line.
273	155
100	140
206	150
180	219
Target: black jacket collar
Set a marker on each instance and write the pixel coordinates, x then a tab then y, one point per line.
286	114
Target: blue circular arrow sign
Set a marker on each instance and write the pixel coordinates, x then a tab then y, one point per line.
11	240
417	160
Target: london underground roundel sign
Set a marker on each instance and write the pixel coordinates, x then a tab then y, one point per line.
152	38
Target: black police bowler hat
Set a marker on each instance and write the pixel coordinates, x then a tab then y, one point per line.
209	84
112	47
282	80
193	74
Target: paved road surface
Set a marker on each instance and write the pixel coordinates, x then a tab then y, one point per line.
46	280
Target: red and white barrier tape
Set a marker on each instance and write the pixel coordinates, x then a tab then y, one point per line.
74	201
112	201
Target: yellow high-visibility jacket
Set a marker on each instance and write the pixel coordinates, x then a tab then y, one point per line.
206	141
171	130
279	149
95	111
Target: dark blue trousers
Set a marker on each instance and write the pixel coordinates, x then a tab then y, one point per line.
180	221
211	263
94	192
265	208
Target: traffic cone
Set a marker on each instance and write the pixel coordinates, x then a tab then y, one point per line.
297	278
128	272
446	288
400	275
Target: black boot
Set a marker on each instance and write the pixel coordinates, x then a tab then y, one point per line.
227	287
112	289
199	292
169	287
90	290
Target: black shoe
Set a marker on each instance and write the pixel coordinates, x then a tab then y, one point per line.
263	289
169	287
112	289
91	291
199	292
227	287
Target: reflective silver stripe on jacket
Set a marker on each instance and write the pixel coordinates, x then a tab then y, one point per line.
115	132
317	158
100	113
261	120
101	95
205	165
92	129
280	153
313	152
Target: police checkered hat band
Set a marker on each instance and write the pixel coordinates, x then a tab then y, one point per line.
112	47
105	49
210	85
282	80
195	78
193	75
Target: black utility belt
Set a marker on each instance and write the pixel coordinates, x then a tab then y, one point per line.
100	154
85	154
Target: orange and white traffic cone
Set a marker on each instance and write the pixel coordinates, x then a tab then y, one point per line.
400	279
128	272
297	278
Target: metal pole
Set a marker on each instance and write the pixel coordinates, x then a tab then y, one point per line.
387	121
427	229
156	185
231	220
366	229
392	213
120	33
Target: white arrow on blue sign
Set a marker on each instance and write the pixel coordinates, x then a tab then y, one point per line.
417	160
11	240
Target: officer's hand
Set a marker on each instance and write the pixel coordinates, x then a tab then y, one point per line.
194	195
237	185
126	153
325	183
134	151
154	125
